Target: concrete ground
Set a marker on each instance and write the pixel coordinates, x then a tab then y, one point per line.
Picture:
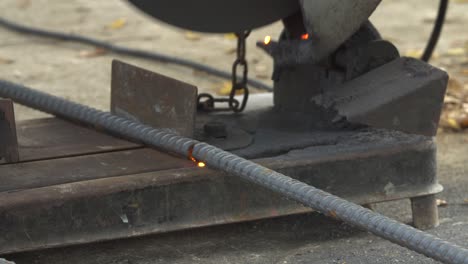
76	72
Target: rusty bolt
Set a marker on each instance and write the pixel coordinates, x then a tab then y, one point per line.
215	129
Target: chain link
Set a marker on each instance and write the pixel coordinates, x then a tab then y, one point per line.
206	102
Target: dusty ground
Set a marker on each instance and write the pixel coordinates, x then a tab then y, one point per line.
67	69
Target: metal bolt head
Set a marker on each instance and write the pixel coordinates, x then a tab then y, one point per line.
215	129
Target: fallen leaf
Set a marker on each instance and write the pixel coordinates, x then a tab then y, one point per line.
92	53
441	202
6	61
452	123
332	214
118	23
463	122
466	200
414	53
224	88
455	52
464	71
230	36
192	36
417	53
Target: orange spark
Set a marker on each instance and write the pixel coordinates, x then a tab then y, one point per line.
267	40
201	164
305	36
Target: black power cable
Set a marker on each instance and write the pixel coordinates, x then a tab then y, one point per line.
126	51
438	25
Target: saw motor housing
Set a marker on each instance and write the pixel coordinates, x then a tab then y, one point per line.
316	75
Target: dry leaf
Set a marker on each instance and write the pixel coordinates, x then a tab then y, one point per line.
455	52
441	202
118	23
463	122
417	53
464	71
452	123
6	61
92	53
230	36
414	53
466	200
455	111
224	88
192	36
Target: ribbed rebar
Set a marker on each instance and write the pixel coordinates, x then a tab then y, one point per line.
319	200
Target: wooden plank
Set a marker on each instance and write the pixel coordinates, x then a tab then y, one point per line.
43	173
52	138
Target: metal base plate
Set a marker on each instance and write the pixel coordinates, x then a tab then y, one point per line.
111	189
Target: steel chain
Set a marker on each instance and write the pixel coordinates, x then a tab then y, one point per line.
206	102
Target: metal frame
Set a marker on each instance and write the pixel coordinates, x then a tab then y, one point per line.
8	139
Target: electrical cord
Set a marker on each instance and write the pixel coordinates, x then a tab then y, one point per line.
435	35
438	25
117	49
